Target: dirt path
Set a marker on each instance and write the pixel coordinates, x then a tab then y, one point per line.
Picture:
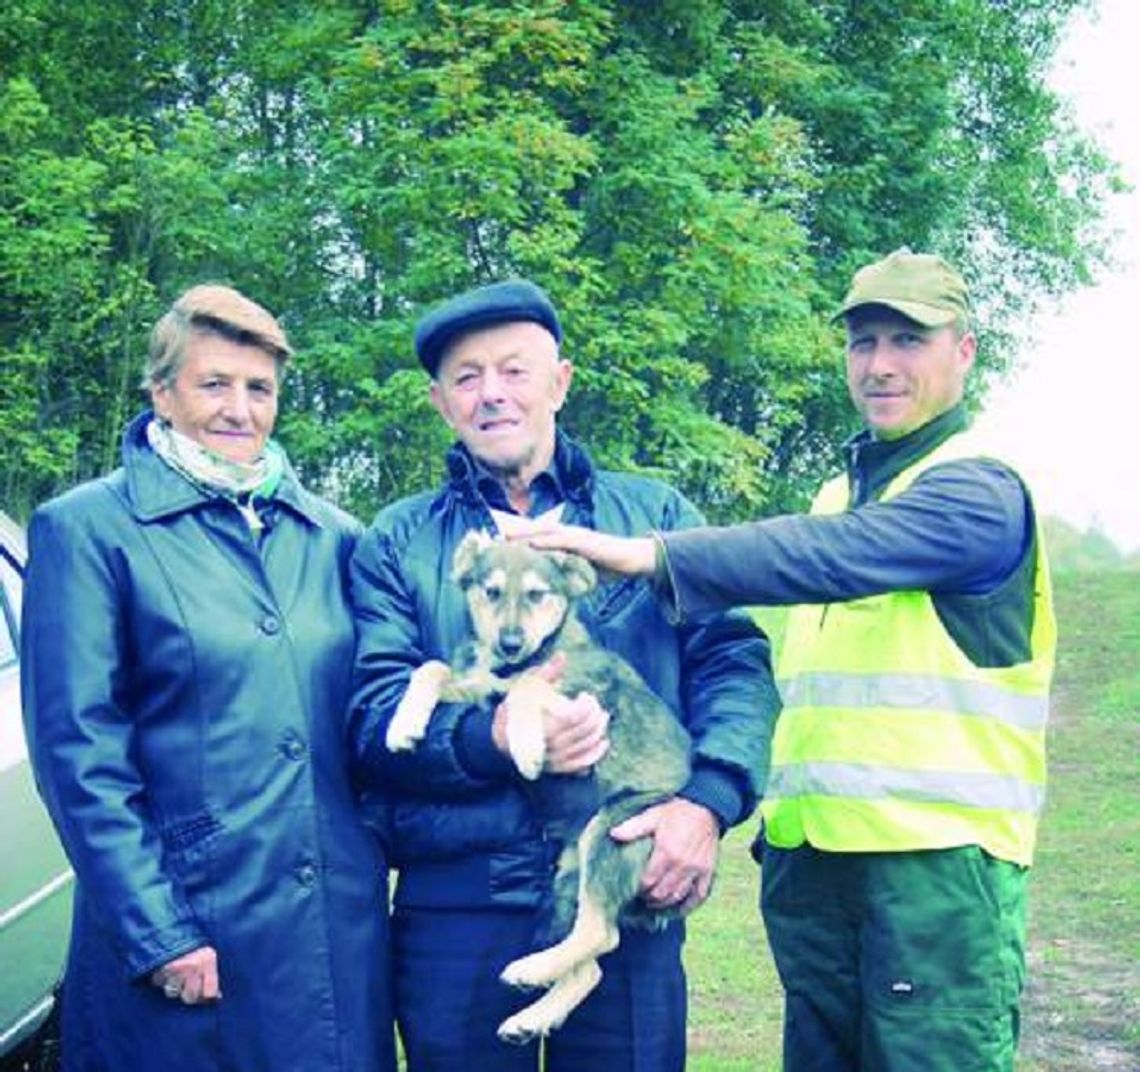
1081	1007
1079	1010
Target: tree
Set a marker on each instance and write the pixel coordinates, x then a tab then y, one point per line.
693	182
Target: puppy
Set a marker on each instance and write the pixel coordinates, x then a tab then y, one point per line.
521	605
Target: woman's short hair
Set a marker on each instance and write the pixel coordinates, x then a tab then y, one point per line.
217	310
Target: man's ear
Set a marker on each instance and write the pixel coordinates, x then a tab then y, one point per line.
467	555
439	404
967	351
563	376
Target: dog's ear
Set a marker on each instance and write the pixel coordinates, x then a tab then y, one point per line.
577	573
466	554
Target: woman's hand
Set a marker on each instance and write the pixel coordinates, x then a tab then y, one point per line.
191	978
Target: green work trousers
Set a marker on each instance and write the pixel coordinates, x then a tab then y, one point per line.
896	962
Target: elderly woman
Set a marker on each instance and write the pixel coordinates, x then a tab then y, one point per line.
188	647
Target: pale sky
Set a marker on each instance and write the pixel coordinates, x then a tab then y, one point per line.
1070	418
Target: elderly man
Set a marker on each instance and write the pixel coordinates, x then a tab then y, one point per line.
908	766
474	860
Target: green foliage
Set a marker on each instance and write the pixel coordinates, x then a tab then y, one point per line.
69	305
693	182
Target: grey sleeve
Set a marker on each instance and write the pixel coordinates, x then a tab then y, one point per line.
961	527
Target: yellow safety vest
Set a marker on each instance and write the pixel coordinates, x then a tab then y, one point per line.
891	739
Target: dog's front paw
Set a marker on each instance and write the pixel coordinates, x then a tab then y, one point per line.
526	740
409	723
404	731
527	702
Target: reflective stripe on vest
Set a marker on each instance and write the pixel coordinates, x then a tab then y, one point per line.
916	692
872	783
890	738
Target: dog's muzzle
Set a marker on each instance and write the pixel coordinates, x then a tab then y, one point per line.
510	644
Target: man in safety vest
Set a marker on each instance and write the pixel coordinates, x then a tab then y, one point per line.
908	765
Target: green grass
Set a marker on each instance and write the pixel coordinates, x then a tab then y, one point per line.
735	1001
1083	1004
1082	1008
1087	869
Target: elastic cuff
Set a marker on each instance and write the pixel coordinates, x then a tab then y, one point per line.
161	947
662	580
718	791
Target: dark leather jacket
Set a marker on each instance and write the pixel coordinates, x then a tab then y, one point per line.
185	691
453	810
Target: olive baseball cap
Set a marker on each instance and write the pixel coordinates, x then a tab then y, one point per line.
921	286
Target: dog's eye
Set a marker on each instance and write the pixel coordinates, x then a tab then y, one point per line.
493	593
534	596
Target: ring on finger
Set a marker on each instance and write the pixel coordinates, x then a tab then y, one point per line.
172	988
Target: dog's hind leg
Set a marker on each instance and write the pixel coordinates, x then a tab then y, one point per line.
550	1011
414	711
595	926
558	915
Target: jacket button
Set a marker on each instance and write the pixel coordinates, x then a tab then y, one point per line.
306	874
293	748
270	624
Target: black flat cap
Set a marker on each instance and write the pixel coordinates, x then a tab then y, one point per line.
497	303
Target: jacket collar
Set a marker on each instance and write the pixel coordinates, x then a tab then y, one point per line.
572	465
873	463
156	491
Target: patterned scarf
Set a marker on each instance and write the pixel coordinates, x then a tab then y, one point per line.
243	483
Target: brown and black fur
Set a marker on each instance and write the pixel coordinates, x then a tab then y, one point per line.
521	605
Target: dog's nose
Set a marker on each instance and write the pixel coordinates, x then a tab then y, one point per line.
511	642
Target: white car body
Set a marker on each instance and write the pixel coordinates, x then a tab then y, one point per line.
35	880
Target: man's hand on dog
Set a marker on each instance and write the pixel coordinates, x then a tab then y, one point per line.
575	727
622	556
686	838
